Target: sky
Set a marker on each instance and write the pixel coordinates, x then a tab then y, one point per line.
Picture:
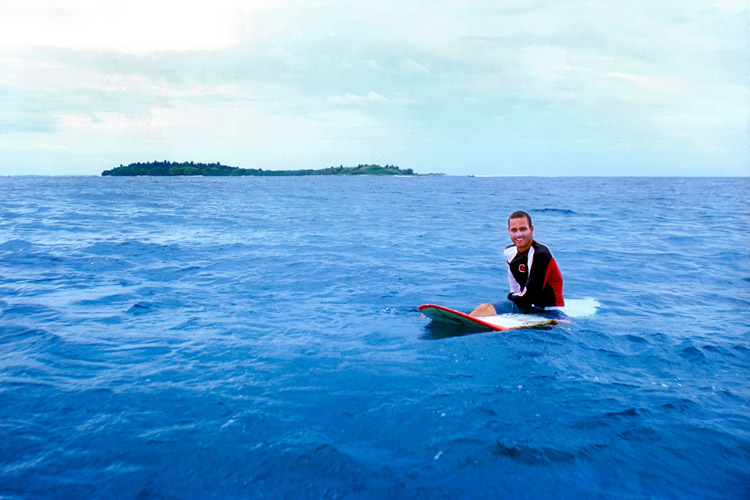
528	87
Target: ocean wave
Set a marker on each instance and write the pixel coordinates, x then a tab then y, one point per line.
560	211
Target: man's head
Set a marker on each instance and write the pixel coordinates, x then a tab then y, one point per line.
520	230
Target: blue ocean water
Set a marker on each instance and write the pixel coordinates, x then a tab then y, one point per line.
255	337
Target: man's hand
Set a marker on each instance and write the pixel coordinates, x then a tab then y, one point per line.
518	299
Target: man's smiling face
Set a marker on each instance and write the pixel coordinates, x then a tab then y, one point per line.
521	233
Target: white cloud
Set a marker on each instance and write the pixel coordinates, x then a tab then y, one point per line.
135	26
413	68
372	98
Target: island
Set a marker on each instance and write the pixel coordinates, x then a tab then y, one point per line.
168	168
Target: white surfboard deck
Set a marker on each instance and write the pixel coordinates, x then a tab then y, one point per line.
578	308
500	322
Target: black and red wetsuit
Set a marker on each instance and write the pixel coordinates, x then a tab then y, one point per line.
533	277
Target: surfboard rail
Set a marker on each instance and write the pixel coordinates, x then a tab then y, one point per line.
501	322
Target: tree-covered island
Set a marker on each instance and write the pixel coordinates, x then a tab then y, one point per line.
168	168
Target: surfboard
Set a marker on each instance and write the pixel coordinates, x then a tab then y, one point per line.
500	322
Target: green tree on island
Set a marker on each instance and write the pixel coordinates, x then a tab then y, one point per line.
167	168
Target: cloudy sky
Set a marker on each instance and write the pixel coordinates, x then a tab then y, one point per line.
485	87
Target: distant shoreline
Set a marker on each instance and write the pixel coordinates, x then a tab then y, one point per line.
174	169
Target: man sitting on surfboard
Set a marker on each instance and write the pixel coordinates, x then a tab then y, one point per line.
534	279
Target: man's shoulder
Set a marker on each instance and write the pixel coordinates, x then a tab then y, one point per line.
510	252
540	249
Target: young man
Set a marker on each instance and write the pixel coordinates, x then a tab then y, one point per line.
533	276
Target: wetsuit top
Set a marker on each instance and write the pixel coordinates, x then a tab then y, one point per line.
533	277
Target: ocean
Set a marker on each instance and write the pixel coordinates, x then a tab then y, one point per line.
180	338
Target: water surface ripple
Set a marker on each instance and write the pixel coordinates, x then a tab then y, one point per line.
260	338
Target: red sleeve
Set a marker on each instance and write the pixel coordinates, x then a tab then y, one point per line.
553	277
